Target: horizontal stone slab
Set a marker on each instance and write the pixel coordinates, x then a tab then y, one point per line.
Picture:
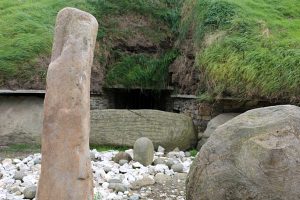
124	127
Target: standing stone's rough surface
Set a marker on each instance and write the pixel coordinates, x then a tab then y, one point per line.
254	156
66	167
143	151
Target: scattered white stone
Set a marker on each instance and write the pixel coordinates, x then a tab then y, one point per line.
112	180
160	149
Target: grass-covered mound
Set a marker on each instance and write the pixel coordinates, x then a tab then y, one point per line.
26	33
248	48
137	40
128	29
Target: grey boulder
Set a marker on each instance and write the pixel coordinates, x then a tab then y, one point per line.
255	156
217	121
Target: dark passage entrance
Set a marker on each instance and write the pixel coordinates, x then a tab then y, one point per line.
139	99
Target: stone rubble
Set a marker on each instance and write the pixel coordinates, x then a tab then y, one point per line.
112	181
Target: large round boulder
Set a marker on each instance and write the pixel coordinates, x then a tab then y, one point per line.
213	124
254	156
217	121
123	127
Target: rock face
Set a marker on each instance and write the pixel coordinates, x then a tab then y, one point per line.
143	151
254	156
66	166
169	130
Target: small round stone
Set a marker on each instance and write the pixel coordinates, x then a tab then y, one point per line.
37	161
134	197
187	154
177	167
120	188
122	162
160	149
107	169
159	161
122	156
143	151
29	192
19	175
169	163
114	180
93	156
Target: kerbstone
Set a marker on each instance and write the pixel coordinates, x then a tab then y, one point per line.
123	127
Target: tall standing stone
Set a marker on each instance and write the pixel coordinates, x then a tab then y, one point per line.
66	168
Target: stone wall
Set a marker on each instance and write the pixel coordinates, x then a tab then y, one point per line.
202	113
21	117
99	102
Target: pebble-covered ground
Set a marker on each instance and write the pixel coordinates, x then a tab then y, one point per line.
165	179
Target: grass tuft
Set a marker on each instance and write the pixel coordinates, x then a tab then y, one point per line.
194	152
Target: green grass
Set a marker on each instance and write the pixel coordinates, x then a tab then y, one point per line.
248	48
167	11
26	31
141	70
22	148
257	53
108	148
37	148
136	69
193	152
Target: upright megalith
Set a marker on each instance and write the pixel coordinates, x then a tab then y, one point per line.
66	168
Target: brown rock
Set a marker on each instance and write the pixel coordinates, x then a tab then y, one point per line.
66	168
